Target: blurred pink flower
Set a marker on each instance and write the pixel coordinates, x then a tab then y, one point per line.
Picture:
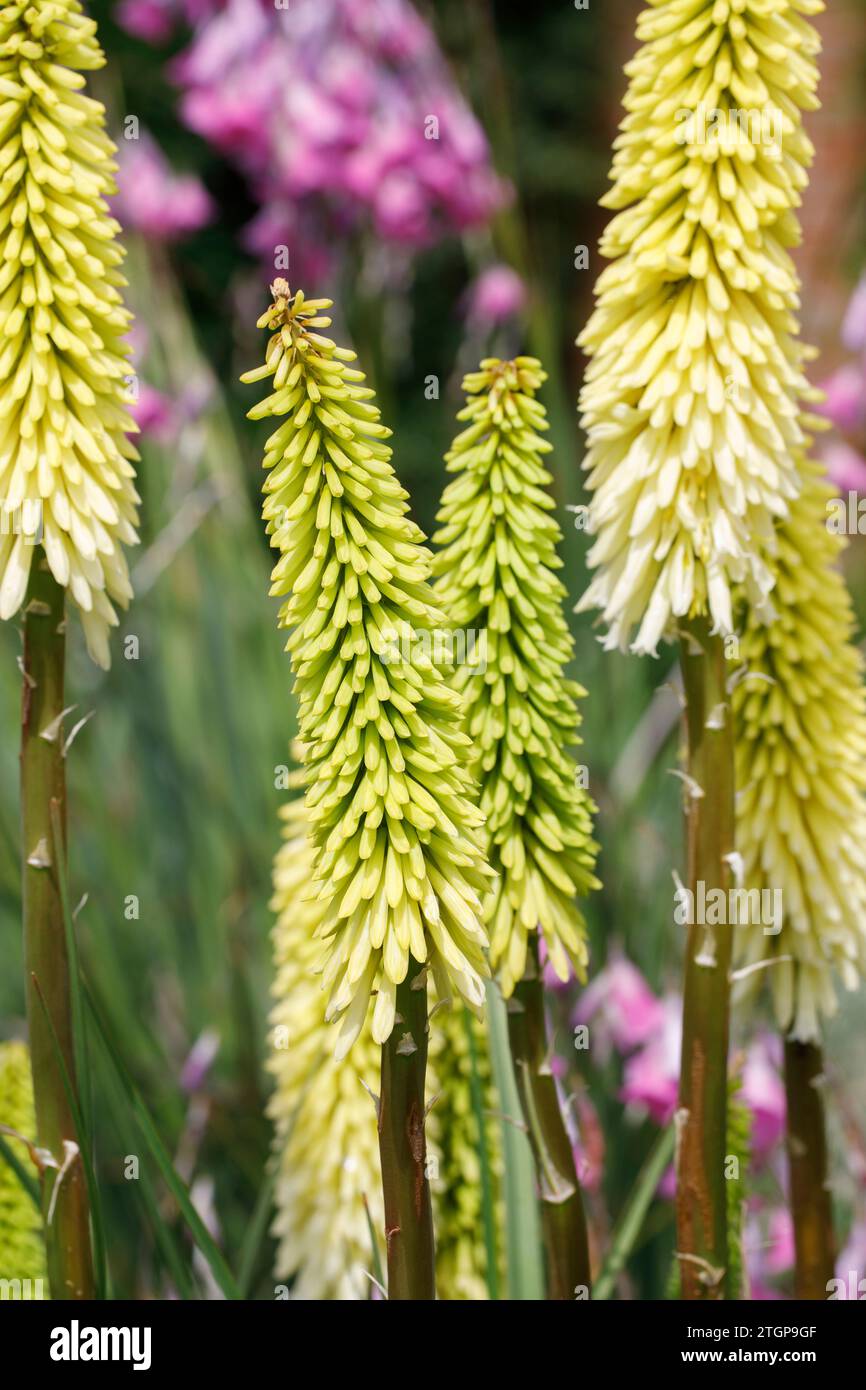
854	325
152	198
851	1264
845	402
651	1076
151	20
199	1061
347	104
496	295
625	1010
763	1091
778	1254
846	468
153	412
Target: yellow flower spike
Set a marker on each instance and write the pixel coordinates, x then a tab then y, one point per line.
326	1142
461	1252
66	474
800	720
691	398
399	857
22	1248
497	578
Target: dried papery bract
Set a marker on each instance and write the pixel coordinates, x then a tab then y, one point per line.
497	575
67	497
800	719
696	440
22	1247
399	858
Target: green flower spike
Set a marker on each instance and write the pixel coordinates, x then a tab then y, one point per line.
455	1143
496	574
66	477
398	836
22	1248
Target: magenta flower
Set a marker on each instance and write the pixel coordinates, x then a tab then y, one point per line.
846	468
625	1010
497	295
154	200
763	1091
150	20
344	109
845	402
851	1264
651	1076
153	412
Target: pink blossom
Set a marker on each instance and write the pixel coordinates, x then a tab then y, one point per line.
651	1076
846	468
627	1012
152	199
763	1091
496	295
845	402
153	412
151	20
852	1259
854	326
344	107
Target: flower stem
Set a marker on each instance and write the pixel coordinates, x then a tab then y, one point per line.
811	1205
703	1095
403	1150
49	1012
563	1223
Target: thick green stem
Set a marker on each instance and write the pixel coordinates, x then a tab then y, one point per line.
703	1095
811	1205
43	786
403	1149
563	1223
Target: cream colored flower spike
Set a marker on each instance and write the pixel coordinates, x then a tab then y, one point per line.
326	1142
691	399
800	721
66	480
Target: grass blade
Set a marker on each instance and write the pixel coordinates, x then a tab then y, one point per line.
199	1232
522	1226
634	1213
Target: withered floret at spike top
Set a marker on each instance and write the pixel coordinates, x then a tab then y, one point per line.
66	477
397	831
497	576
800	723
691	401
327	1147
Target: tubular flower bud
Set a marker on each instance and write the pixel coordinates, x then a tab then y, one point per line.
691	401
398	839
66	477
326	1145
22	1248
800	722
456	1037
496	576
